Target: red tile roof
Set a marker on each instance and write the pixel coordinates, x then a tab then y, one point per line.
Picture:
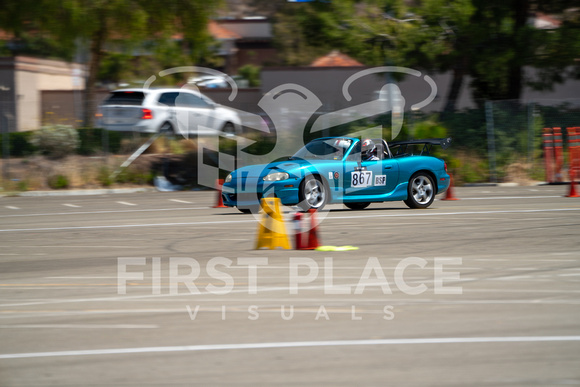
335	59
220	32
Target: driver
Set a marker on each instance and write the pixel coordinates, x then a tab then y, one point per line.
369	150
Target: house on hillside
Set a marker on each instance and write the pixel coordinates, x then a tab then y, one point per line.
336	59
244	41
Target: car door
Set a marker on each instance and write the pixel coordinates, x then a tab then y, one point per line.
363	177
174	114
197	113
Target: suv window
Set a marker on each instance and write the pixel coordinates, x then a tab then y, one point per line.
190	100
168	99
125	98
176	98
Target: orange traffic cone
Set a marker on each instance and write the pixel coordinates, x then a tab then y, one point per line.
298	234
449	194
313	232
220	202
572	193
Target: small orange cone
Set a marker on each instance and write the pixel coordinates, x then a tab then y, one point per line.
220	202
572	193
312	233
449	194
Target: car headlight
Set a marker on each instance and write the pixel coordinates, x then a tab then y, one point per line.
276	176
228	178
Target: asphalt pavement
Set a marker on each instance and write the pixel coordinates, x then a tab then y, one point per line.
161	289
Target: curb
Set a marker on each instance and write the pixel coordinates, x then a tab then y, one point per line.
85	192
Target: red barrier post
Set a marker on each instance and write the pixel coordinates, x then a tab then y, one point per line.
549	154
558	154
574	152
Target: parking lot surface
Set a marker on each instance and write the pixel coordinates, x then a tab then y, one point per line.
159	289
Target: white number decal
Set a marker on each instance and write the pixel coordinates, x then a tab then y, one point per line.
361	179
381	180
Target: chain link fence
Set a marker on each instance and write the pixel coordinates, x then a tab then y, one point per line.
501	141
495	142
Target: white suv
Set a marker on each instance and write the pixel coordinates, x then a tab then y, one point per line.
179	111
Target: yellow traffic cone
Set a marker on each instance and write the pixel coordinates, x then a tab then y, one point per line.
271	230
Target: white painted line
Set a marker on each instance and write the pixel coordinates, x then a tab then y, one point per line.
12	207
181	201
514	197
127	203
422	214
222	222
80	326
105	212
71	205
261	290
79	277
295	344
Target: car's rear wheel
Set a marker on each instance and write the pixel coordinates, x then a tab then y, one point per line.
357	206
313	193
421	191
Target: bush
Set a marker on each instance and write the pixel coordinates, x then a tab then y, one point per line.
251	73
56	141
135	176
104	177
19	144
58	182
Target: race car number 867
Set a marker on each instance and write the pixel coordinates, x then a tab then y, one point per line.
361	178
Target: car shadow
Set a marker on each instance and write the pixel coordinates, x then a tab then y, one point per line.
333	210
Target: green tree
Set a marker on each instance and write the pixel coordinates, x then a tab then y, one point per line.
489	41
304	31
96	24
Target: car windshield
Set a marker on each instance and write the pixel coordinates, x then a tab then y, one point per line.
324	149
125	98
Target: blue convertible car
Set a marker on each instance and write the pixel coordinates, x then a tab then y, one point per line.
344	170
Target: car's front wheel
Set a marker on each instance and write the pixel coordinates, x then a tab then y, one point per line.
421	191
313	193
229	128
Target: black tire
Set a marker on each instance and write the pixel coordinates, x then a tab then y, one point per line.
229	128
357	206
313	193
421	191
167	128
245	210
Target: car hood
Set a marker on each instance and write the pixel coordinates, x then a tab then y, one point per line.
296	168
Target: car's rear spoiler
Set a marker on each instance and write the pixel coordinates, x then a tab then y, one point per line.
427	144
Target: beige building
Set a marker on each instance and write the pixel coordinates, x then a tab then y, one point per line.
22	83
